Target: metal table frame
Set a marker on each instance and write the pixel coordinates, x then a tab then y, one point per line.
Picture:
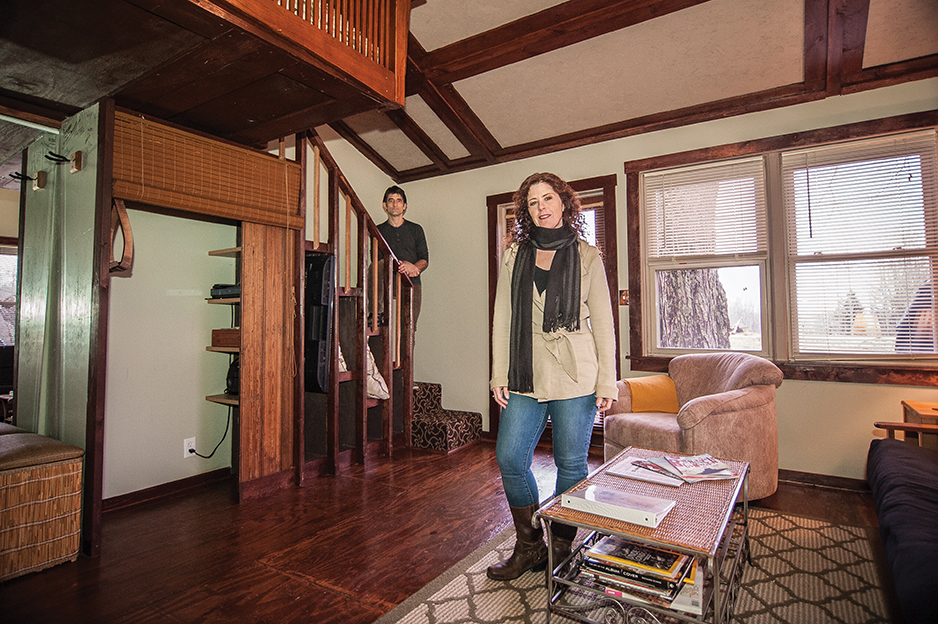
725	550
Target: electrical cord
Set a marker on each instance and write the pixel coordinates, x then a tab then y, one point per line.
224	435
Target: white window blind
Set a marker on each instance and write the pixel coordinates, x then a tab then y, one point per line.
862	231
706	251
706	210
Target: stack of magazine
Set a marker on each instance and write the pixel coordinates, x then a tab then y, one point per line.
644	573
674	470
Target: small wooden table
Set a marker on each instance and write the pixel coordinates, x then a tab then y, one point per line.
921	413
705	523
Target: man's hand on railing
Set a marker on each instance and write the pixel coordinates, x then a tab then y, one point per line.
412	270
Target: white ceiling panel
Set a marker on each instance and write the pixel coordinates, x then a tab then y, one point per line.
899	30
388	140
441	22
423	116
712	51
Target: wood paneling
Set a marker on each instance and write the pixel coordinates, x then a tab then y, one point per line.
268	365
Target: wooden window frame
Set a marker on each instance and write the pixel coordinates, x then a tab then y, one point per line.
913	374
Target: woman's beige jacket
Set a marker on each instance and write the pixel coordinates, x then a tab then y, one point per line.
566	364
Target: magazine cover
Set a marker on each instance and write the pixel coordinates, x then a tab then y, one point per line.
666	563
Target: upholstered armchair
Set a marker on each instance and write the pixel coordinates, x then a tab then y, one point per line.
725	406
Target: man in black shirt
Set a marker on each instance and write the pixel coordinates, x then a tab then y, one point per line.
406	239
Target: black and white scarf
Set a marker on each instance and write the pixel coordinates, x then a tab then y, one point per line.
561	300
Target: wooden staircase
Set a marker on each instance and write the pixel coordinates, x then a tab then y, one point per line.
343	425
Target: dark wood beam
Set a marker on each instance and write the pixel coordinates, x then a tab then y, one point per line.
449	106
765	100
894	73
854	23
30	119
420	138
551	29
815	44
352	137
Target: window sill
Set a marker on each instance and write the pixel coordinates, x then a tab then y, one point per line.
842	372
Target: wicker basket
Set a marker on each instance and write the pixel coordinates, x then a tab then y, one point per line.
40	514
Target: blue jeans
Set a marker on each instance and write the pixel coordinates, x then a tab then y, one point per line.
520	427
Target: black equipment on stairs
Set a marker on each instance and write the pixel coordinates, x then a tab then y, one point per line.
320	290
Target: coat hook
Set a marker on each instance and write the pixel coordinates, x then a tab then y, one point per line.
57	158
16	175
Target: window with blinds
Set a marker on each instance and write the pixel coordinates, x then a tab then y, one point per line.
854	253
706	240
862	234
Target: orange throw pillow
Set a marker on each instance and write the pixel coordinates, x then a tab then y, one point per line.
654	393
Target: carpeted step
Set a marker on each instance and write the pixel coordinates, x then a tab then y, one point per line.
440	429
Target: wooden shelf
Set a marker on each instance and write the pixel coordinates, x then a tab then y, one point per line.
225	300
224	349
224	399
231	252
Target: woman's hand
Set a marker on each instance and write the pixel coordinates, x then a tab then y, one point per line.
603	404
500	394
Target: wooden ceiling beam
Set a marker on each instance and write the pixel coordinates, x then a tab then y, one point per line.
450	107
855	18
551	29
766	100
420	138
815	44
30	119
352	137
302	120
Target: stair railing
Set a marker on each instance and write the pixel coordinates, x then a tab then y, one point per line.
372	300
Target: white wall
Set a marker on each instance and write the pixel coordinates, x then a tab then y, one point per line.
824	428
159	372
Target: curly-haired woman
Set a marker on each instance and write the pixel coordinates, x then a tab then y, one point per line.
553	346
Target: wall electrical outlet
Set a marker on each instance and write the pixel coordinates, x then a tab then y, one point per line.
188	444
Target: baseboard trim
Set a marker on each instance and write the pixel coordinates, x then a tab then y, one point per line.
825	481
262	486
165	490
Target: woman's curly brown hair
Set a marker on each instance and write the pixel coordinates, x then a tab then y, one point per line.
524	225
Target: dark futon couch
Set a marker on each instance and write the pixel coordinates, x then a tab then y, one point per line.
904	481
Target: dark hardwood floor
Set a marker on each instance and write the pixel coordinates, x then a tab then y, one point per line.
344	549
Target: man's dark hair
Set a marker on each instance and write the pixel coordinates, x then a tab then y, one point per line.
394	190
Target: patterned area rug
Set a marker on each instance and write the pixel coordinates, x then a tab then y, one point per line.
803	571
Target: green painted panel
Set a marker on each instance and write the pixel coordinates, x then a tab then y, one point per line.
56	285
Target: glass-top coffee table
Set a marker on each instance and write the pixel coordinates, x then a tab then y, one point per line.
709	521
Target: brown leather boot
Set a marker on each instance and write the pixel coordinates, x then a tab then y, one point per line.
530	552
561	541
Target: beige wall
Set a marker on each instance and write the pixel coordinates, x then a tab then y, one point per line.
824	428
9	212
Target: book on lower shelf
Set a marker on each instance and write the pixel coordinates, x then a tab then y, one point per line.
686	593
617	504
666	564
691	598
632	576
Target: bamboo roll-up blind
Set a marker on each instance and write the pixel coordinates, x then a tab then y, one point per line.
165	166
